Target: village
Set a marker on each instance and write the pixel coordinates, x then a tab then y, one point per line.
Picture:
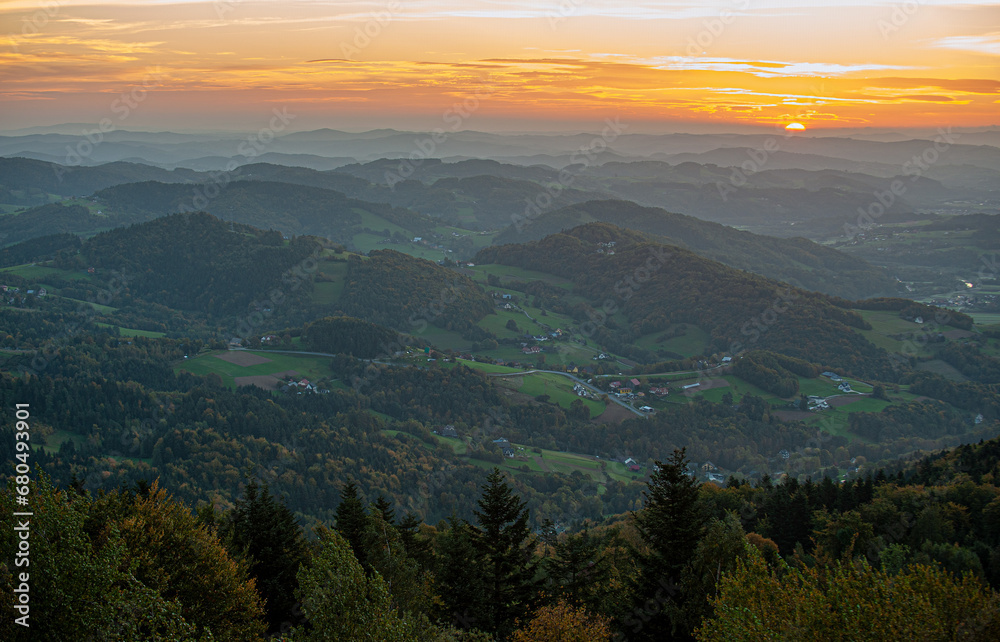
632	466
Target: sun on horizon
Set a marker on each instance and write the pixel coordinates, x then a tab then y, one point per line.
795	127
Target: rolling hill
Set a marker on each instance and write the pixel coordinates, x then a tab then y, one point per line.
797	261
655	286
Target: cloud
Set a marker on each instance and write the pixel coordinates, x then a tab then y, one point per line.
988	45
962	85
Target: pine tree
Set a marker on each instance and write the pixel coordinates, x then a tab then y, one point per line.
350	520
416	547
382	505
578	570
503	538
670	526
265	532
460	575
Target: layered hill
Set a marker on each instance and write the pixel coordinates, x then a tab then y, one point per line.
293	209
22	177
196	262
207	268
797	261
656	285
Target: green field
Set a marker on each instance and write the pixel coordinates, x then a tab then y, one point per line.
527	461
376	222
364	242
328	292
885	324
693	343
309	366
133	332
31	271
497	324
509	273
558	388
56	439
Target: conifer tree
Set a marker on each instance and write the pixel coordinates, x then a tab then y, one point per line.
351	520
670	526
460	576
382	505
503	538
416	546
265	532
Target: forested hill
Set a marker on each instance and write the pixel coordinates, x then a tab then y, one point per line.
656	285
798	261
406	293
197	262
293	209
29	175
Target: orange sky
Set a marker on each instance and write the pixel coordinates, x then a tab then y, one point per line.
536	65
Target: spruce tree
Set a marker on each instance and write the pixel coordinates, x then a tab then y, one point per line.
503	538
265	532
417	547
350	520
382	505
670	526
578	571
460	576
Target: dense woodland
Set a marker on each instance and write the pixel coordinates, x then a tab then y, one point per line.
914	555
350	336
398	291
197	262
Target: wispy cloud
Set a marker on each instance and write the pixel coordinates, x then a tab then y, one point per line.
989	44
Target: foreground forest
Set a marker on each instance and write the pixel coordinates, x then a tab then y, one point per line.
914	555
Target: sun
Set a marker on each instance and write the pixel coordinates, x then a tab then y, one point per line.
795	127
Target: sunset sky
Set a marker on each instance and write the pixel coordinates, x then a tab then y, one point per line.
521	65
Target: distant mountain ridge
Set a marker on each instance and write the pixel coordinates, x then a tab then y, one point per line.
794	260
